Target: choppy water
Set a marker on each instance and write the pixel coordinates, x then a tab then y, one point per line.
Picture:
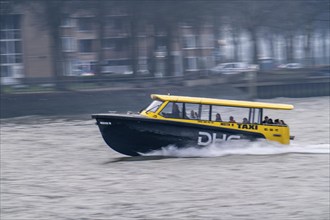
60	168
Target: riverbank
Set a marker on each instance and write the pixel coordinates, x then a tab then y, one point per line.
88	102
132	95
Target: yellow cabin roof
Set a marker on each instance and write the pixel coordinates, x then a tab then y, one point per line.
223	102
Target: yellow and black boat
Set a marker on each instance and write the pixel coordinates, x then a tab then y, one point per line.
190	121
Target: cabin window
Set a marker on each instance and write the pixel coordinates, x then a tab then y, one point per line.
154	106
230	114
192	111
204	111
274	117
255	115
173	110
197	111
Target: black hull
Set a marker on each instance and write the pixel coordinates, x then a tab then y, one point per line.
132	135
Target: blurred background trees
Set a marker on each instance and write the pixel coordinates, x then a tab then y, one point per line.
260	23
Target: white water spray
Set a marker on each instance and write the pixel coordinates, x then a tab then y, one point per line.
241	148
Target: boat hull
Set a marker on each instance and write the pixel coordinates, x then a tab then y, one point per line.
136	135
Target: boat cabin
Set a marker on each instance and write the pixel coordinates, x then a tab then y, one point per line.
229	114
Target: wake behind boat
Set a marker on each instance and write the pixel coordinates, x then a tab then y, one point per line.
190	121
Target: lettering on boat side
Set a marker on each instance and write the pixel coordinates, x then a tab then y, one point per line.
253	127
225	123
211	138
105	123
205	122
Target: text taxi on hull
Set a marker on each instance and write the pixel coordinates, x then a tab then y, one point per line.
190	121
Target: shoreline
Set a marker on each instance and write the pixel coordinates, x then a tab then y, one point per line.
133	97
90	102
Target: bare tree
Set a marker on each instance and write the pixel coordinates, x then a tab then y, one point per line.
99	11
311	11
52	14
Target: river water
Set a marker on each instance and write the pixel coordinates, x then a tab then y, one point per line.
60	168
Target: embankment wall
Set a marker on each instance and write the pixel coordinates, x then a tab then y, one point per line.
89	102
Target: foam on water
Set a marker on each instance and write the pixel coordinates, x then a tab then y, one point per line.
241	148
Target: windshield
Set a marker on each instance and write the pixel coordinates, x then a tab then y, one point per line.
153	107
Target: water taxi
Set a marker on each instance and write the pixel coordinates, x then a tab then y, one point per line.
185	121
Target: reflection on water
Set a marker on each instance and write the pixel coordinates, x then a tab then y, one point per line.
138	158
62	169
